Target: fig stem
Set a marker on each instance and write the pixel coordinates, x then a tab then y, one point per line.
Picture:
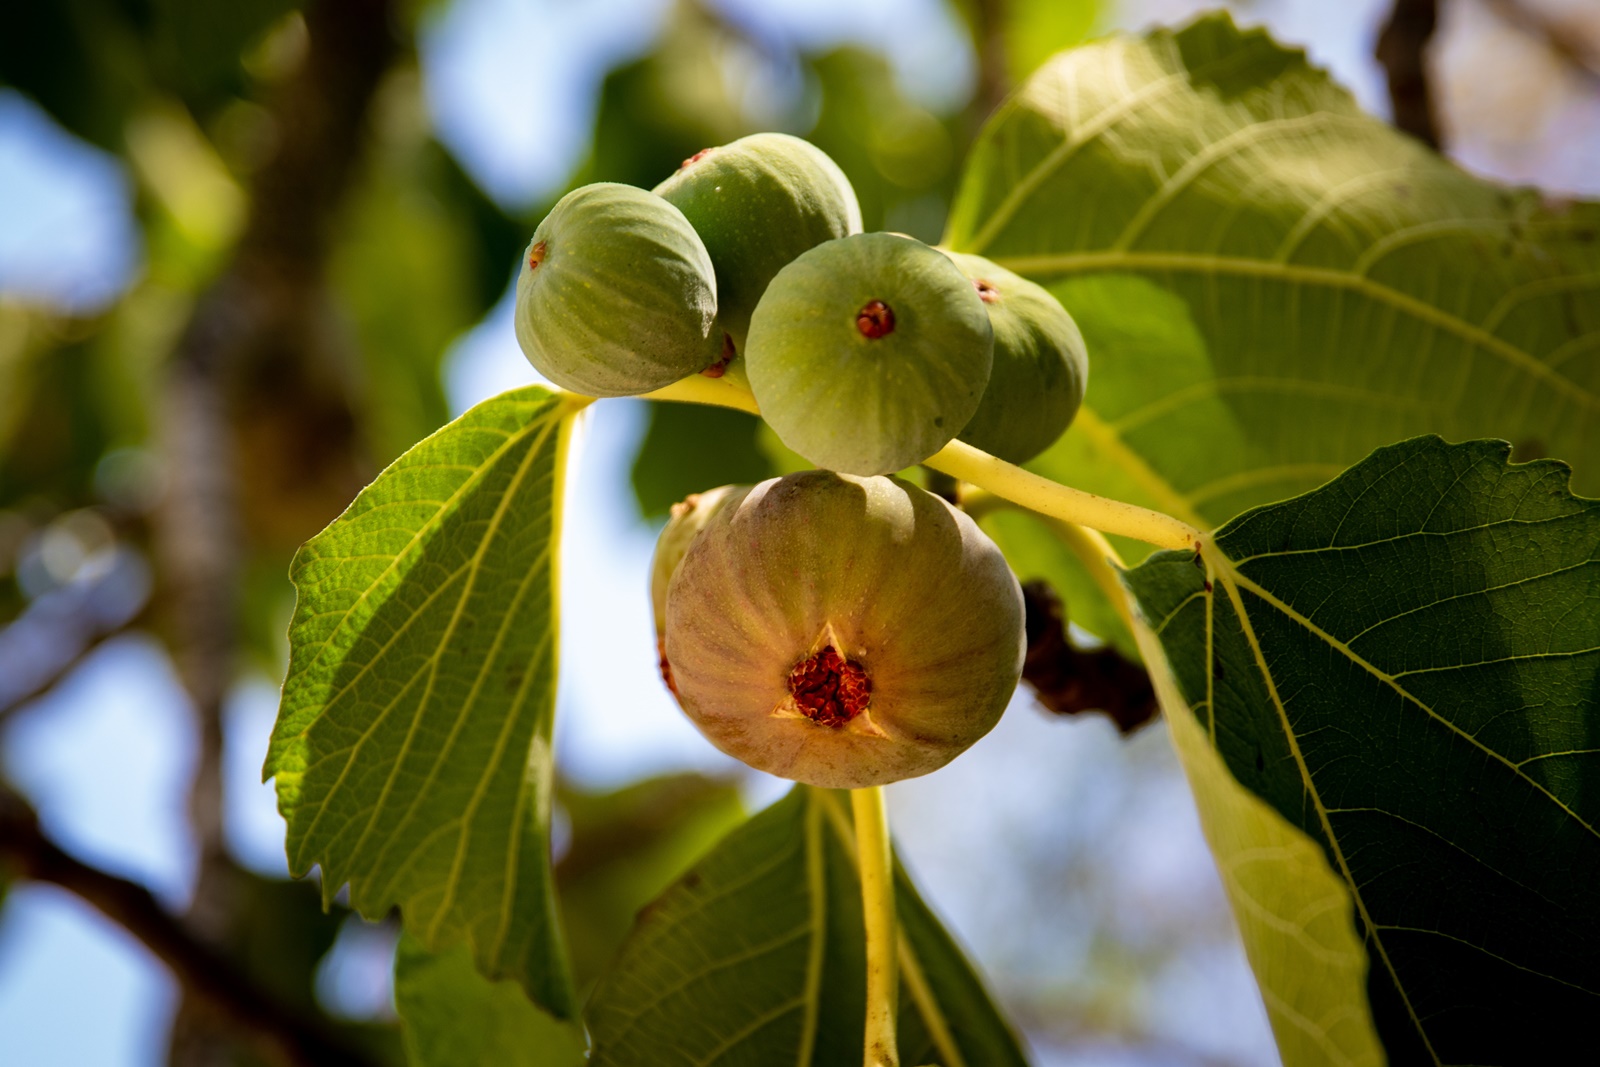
960	460
1063	502
877	906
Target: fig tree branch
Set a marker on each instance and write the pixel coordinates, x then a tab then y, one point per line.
1403	51
265	310
43	683
282	1033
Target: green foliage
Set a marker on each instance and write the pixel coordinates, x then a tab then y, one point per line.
627	845
412	750
687	449
1403	664
1271	283
451	1015
91	63
755	957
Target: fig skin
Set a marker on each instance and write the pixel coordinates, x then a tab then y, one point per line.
689	516
869	353
914	601
757	203
617	295
1041	365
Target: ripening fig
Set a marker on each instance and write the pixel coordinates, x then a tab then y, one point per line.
757	203
1041	366
687	519
869	353
617	295
842	631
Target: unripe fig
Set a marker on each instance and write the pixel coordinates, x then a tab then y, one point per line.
843	631
617	295
869	353
757	204
1041	366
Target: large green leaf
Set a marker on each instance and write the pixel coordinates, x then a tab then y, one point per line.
451	1016
1405	664
755	957
412	750
1292	909
1272	283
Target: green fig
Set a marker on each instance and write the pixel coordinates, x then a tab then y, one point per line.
869	353
1041	366
842	631
617	295
757	203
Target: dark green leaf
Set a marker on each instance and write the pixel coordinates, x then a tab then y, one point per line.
689	448
756	957
626	847
1405	664
412	750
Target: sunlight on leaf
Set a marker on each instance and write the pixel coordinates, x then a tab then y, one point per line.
412	750
1272	283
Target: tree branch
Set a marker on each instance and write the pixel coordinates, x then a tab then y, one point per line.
1402	49
41	684
285	1035
994	77
254	364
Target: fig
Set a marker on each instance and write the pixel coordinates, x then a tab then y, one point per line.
617	295
869	353
842	631
757	203
1041	366
688	517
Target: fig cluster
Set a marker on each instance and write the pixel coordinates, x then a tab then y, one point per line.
840	627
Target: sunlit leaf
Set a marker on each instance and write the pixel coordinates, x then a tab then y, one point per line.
1272	283
1405	665
412	750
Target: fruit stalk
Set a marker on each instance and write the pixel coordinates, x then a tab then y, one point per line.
1036	493
877	906
961	460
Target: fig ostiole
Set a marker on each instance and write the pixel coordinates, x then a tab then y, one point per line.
1041	366
757	203
869	353
617	295
842	631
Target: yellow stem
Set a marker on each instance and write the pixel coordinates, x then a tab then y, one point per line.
961	460
723	392
877	906
1062	502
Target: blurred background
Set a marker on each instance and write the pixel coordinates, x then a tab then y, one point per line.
251	252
